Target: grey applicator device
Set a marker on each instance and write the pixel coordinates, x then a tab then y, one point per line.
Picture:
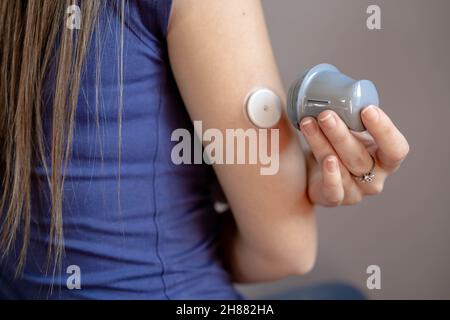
324	87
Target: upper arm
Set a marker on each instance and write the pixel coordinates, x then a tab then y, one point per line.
220	51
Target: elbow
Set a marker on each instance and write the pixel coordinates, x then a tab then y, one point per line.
296	257
305	262
273	266
287	246
299	251
300	259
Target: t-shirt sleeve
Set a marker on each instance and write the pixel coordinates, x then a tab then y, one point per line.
156	15
164	9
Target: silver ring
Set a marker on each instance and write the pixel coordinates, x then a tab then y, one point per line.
367	177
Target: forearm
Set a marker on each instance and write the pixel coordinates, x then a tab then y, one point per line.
279	241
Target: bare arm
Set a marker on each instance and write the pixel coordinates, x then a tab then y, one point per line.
219	52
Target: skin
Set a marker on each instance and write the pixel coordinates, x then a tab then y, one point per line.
337	153
219	51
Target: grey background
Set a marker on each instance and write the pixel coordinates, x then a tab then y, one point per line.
406	230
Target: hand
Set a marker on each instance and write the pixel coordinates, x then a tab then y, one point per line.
338	155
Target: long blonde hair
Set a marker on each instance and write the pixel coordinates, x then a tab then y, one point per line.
33	35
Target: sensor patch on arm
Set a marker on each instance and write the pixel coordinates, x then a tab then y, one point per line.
263	108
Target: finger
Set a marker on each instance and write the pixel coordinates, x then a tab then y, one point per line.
392	145
332	186
355	156
350	150
367	140
318	177
320	146
376	185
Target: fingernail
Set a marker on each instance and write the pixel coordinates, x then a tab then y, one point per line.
328	120
308	127
331	165
370	113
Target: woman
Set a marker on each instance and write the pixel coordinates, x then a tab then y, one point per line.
92	204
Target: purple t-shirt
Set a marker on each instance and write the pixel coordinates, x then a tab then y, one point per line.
163	242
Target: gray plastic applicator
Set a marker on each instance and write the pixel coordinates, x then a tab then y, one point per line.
324	87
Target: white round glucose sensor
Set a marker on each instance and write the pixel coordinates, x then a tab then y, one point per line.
264	108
